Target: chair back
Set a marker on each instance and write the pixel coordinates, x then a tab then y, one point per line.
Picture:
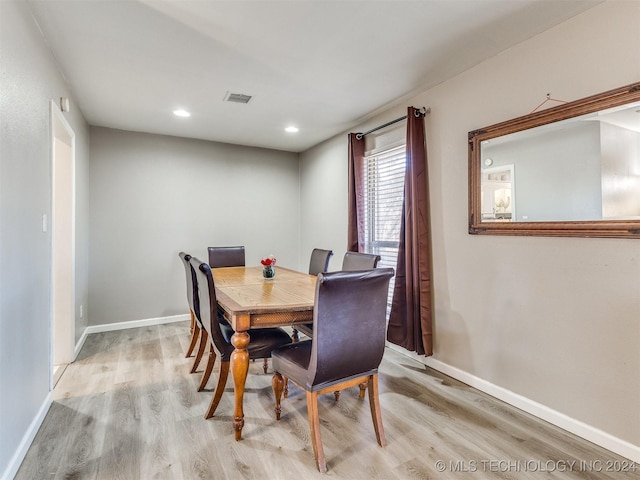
359	261
319	262
226	257
192	293
209	309
349	325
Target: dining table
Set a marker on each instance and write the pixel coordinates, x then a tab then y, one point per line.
249	301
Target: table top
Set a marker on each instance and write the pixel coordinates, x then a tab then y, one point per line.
243	292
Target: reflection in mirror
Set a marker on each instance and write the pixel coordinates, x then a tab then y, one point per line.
584	168
570	170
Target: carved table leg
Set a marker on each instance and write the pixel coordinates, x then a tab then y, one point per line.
277	383
239	369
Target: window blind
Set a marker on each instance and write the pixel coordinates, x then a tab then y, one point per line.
384	191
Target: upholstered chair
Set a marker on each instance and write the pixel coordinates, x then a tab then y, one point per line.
226	257
263	340
354	302
319	263
359	261
194	309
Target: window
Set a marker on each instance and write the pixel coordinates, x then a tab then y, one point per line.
384	192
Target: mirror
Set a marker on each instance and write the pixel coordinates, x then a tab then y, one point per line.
570	170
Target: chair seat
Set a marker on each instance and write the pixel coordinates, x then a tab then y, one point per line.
262	341
293	359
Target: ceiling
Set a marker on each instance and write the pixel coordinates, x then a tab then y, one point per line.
323	66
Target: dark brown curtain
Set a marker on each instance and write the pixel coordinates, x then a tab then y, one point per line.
355	233
410	321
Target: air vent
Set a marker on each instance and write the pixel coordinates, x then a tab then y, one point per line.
237	98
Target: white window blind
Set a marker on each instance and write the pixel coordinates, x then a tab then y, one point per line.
384	191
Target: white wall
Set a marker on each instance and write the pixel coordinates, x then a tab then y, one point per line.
552	321
29	80
153	196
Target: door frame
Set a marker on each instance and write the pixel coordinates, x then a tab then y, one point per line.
62	330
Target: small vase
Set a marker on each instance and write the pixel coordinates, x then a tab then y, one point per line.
268	271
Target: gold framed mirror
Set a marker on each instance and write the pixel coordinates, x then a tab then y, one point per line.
570	170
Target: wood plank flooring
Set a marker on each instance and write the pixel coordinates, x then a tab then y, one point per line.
128	409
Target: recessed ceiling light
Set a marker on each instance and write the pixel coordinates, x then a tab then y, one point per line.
181	113
291	129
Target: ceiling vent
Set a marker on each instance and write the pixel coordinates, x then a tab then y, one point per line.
237	98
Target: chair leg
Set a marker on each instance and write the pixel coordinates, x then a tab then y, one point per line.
203	343
376	414
265	365
363	388
222	381
286	387
209	368
277	383
314	426
195	330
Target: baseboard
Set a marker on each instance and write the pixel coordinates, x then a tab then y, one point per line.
27	439
581	429
109	327
79	344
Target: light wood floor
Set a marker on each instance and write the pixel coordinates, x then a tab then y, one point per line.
128	409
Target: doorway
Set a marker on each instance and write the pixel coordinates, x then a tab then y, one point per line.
62	244
498	194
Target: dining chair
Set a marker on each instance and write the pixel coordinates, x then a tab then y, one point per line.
263	340
359	261
195	327
354	302
226	257
319	263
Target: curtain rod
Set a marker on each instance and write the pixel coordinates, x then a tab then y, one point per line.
417	112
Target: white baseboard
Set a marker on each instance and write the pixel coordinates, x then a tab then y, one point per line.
27	439
581	429
79	344
109	327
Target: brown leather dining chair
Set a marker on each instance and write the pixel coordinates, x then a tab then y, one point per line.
318	263
197	332
263	340
359	261
354	302
226	256
194	309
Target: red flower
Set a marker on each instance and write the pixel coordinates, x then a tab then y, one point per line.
268	261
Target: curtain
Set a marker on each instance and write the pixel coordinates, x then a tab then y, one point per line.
410	321
355	233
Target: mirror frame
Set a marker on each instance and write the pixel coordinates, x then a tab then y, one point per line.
596	228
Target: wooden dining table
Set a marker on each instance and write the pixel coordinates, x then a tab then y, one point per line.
251	301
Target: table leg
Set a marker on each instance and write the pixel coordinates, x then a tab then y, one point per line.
239	369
